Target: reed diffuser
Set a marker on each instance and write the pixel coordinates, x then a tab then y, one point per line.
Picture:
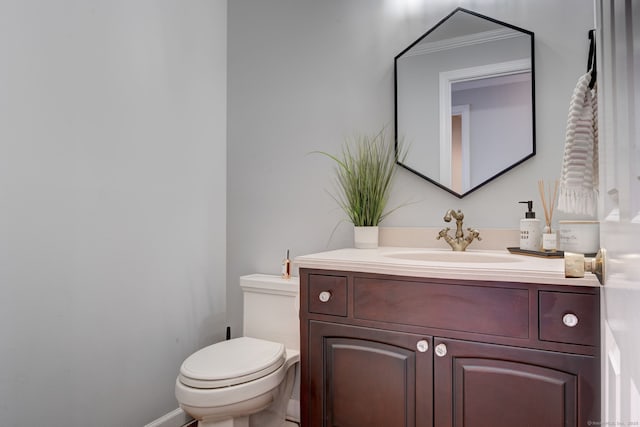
549	237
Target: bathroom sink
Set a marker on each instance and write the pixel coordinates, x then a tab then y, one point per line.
451	256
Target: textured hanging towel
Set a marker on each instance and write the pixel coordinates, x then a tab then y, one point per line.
578	191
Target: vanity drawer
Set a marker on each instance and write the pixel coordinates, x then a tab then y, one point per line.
480	309
569	317
328	294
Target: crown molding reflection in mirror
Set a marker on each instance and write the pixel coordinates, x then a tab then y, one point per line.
464	101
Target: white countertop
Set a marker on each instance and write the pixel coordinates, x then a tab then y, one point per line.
504	267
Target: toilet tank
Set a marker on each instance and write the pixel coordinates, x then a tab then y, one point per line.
271	307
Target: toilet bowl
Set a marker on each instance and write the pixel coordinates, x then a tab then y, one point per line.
247	381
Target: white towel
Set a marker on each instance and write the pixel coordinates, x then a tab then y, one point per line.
578	191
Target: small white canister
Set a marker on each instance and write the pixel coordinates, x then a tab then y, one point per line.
582	237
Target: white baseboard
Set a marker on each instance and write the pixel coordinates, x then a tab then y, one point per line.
175	418
178	418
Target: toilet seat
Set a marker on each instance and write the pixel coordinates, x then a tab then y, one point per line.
232	362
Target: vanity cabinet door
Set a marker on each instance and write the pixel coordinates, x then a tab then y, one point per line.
368	377
478	385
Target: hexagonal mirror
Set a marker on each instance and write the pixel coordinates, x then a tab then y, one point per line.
464	101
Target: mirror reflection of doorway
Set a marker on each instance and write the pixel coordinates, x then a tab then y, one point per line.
456	153
460	149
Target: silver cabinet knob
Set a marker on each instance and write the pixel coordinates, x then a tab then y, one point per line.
422	346
324	296
570	320
441	350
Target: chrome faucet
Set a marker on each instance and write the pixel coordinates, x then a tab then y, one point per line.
459	242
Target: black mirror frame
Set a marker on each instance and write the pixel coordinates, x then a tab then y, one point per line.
533	101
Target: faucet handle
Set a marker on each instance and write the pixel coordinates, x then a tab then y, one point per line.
474	234
443	233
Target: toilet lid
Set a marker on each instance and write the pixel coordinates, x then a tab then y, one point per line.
232	362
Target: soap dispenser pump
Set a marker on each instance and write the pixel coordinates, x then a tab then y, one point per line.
530	231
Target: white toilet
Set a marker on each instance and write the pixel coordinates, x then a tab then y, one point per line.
251	381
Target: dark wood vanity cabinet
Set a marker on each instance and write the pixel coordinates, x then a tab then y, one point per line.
481	385
398	351
368	377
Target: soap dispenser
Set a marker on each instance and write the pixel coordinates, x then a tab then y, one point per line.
530	230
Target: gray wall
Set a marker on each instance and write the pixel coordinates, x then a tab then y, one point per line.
113	170
305	74
112	205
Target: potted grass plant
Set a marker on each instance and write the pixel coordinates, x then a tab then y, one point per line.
364	172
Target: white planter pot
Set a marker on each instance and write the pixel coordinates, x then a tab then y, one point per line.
365	237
